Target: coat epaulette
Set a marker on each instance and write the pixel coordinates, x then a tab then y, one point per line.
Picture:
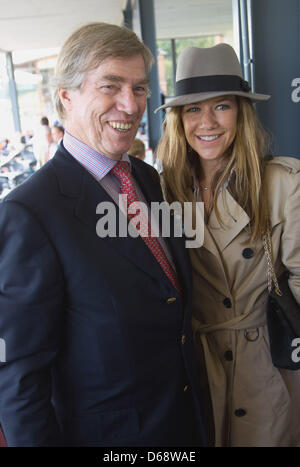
292	164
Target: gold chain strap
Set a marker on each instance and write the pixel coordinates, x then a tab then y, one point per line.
270	271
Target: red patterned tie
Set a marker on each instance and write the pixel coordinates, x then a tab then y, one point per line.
3	443
122	172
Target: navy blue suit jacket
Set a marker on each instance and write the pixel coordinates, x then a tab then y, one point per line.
95	353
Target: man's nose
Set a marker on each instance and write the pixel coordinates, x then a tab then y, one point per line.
127	102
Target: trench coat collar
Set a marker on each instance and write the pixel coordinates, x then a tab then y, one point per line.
234	219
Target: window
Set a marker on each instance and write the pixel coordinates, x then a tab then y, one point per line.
168	51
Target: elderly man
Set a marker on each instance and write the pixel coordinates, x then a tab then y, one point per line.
97	330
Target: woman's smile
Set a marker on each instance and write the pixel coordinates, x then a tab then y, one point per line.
210	126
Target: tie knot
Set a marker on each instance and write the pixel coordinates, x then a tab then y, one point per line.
121	170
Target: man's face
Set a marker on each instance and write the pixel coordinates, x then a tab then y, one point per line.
105	113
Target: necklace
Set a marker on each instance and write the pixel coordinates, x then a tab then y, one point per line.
204	187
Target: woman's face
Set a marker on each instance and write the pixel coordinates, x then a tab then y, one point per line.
210	126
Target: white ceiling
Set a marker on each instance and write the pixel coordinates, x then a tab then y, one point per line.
36	24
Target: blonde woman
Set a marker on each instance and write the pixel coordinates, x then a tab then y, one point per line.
214	150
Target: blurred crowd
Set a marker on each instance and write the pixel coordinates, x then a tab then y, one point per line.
26	153
21	156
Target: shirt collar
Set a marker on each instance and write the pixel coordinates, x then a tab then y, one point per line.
96	163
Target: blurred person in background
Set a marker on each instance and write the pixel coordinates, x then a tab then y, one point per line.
57	132
137	149
41	142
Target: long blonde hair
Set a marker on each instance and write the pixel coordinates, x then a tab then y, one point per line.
244	169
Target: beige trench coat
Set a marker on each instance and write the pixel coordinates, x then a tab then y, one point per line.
254	403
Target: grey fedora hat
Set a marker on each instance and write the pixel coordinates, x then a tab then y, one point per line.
205	73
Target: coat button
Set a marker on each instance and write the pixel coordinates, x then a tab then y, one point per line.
240	412
171	300
183	338
248	253
227	302
186	387
228	355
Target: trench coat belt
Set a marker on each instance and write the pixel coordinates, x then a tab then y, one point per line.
248	320
216	372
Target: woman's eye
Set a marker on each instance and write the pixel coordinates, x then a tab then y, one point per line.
222	107
192	109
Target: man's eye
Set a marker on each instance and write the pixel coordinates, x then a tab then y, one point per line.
108	88
140	90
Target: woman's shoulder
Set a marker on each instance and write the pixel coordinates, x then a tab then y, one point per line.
282	172
283	163
282	178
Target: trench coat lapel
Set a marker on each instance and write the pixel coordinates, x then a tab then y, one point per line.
235	219
217	237
152	193
209	242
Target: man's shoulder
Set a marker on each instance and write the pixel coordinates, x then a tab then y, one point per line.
142	166
34	185
40	185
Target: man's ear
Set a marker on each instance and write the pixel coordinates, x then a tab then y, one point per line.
65	98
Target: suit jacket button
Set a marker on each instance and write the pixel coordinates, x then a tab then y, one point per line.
227	302
248	253
171	300
186	387
183	337
240	412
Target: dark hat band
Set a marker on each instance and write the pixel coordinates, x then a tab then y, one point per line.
214	83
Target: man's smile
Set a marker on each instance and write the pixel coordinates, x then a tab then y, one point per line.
121	126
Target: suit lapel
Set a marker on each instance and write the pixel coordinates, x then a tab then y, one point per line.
152	192
75	181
